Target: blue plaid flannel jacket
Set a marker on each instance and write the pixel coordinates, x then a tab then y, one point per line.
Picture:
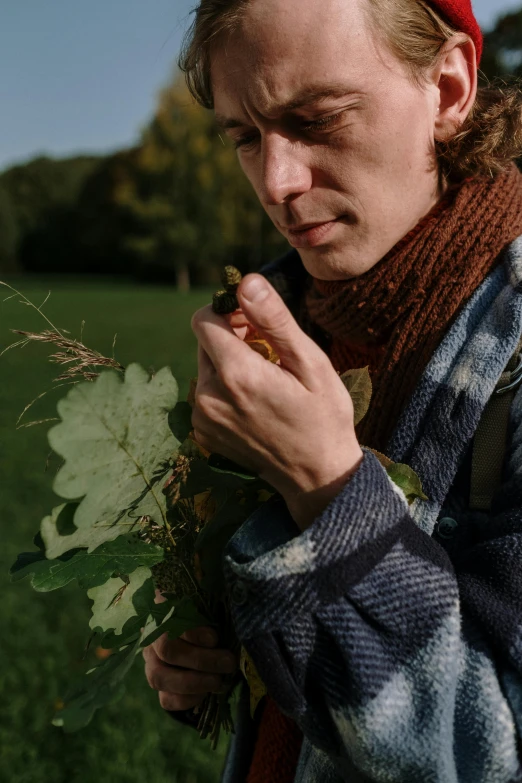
393	641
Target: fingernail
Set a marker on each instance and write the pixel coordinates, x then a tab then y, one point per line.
255	290
226	664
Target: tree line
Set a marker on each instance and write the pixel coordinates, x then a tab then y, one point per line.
175	208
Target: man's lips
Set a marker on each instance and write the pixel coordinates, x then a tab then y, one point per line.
311	234
307	226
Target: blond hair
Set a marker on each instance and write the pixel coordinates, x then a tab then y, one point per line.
485	144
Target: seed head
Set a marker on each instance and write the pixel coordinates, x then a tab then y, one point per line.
224	302
231	278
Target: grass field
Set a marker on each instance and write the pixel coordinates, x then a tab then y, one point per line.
43	634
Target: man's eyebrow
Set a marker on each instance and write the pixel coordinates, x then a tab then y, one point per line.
304	98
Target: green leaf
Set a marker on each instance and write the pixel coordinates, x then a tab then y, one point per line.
26	563
116	443
98	687
123	556
407	480
182	617
119	600
180	421
39	567
359	384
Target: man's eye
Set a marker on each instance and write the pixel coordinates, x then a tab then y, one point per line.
244	141
314	125
323	123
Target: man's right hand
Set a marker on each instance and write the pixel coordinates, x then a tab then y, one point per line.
184	670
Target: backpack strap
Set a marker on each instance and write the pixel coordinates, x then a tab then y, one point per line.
489	445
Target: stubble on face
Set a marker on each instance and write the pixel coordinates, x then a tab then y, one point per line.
373	171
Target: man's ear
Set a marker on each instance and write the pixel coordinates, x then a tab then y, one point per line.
456	77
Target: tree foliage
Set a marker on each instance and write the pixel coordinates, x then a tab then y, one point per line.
175	208
503	47
188	202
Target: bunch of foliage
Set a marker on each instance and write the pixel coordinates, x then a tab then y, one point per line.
145	514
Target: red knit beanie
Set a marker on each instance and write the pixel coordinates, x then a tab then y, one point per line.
459	14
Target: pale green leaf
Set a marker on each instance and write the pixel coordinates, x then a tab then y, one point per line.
116	443
359	384
59	538
118	600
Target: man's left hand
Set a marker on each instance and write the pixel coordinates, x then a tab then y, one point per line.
292	422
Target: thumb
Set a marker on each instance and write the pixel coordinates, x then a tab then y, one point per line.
267	312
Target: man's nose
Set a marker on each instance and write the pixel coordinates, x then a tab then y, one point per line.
286	170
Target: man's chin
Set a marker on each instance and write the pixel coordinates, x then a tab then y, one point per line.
328	263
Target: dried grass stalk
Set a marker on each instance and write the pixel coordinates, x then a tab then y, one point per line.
83	360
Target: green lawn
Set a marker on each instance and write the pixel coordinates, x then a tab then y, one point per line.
43	634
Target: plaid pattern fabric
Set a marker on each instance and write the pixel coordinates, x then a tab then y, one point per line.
393	639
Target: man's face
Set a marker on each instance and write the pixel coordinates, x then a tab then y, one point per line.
329	128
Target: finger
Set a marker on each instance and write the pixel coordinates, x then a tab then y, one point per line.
203	637
267	312
240	324
178	652
162	677
175	702
218	340
237	320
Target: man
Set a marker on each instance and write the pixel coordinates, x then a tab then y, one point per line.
388	636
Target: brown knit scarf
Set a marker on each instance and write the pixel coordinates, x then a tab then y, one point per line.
392	319
394	316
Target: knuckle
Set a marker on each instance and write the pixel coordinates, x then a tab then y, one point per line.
197	318
196	416
232	376
168	701
204	407
202	440
195	682
154	679
174	702
202	662
166	649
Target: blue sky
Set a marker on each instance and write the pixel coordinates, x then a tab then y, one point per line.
84	76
